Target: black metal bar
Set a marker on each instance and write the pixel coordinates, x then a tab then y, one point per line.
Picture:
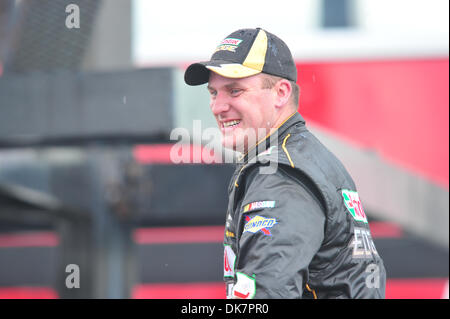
31	199
67	141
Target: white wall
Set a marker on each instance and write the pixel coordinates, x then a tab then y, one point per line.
168	31
171	31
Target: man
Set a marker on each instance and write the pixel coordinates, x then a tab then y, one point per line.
299	231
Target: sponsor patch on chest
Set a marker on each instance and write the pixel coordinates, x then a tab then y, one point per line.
259	223
229	258
259	205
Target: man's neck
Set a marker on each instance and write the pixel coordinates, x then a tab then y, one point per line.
269	137
282	119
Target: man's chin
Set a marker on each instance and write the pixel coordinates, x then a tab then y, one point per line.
231	144
240	140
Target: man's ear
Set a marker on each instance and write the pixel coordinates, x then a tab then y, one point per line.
283	90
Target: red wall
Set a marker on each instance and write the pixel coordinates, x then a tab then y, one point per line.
398	108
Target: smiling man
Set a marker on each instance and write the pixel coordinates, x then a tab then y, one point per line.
241	124
300	231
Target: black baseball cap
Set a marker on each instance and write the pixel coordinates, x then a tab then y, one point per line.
243	53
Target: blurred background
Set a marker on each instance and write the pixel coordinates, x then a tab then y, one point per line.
91	90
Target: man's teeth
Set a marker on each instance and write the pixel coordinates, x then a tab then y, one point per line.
231	123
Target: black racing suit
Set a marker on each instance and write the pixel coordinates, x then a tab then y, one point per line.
295	227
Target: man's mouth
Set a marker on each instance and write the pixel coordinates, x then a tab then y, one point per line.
231	123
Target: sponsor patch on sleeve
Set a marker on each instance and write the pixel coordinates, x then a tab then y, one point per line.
259	205
245	287
259	223
353	205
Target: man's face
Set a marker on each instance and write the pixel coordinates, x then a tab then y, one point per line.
243	109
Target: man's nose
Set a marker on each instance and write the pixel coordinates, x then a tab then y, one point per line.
219	104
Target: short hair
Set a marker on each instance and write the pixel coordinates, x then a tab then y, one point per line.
269	81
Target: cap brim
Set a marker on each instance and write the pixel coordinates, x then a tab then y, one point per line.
198	73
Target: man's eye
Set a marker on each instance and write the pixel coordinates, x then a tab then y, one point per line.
212	93
235	91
